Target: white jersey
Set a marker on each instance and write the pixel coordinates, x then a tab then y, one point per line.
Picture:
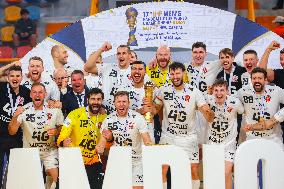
246	79
179	109
93	81
127	131
112	78
52	90
265	106
204	76
35	124
223	130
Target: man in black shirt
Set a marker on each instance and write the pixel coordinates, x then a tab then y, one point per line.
231	72
12	95
25	29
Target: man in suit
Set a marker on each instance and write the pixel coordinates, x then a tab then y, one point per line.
76	97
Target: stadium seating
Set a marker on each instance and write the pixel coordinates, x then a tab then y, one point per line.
23	50
53	27
34	12
266	21
14	1
33	1
12	13
6	52
243	4
7	33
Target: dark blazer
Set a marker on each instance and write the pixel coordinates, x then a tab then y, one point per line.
70	103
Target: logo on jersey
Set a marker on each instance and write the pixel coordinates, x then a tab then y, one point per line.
205	70
235	78
268	98
186	98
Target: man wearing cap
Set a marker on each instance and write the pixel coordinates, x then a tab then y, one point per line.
279	29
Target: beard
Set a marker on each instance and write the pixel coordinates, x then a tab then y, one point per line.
178	85
95	108
258	89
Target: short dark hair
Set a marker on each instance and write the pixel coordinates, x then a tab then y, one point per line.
198	44
15	68
251	51
77	72
282	51
139	62
132	51
36	58
259	70
24	11
220	82
121	93
124	46
38	84
95	91
175	65
226	51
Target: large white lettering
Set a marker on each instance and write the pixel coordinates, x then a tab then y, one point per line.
119	168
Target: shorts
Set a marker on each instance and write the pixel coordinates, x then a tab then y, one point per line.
49	159
201	127
137	174
150	127
230	151
189	144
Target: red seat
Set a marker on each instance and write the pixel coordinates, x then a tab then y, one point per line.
6	52
23	50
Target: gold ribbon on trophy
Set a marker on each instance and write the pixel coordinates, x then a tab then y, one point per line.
149	90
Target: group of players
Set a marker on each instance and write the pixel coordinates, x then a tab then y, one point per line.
105	104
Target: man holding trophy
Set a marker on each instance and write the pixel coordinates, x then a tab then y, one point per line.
179	102
141	94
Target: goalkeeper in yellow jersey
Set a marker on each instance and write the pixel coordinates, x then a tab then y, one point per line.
81	129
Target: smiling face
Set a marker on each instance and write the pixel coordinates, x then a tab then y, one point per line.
198	55
121	103
35	69
77	82
226	61
137	73
220	92
123	57
250	62
38	94
176	77
163	56
95	103
15	78
258	81
62	55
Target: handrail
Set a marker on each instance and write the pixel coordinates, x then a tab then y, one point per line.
251	14
3	60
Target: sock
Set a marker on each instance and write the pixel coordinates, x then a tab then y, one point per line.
53	185
165	185
195	184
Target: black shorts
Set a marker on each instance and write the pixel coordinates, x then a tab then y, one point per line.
95	175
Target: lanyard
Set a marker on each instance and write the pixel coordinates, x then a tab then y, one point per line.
230	78
13	107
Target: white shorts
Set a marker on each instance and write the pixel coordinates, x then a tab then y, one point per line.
189	144
201	126
49	159
230	151
137	174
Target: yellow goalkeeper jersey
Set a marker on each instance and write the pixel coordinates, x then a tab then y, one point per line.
84	131
161	77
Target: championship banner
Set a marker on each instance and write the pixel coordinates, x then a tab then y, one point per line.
145	26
